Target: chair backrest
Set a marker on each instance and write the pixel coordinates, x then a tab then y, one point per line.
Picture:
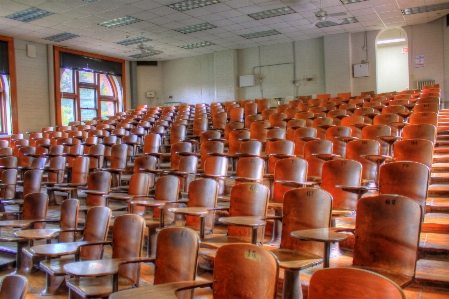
57	163
14	287
339	147
208	147
417	150
373	132
258	131
358	148
427	107
151	143
127	239
291	169
177	247
175	149
35	206
231	126
235	139
405	178
177	134
80	170
421	131
424	118
32	180
99	181
9	178
299	143
119	154
250	167
281	146
342	172
202	193
336	283
305	208
97	158
247	199
96	229
315	165
139	184
256	267
387	233
386	119
319	122
69	219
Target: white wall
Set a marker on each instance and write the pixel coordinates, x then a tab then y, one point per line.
426	39
337	63
188	80
32	87
392	68
446	61
225	75
150	79
358	54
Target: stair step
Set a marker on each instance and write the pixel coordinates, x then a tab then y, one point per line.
438	190
440	167
436	223
431	272
437	205
441	158
439	178
436	243
441	149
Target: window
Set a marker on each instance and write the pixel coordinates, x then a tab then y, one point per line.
5	105
87	95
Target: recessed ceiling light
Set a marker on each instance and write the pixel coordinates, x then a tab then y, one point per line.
272	13
61	37
126	20
89	1
133	41
195	28
191	4
260	34
148	54
197	45
425	8
389	41
29	15
351	1
330	23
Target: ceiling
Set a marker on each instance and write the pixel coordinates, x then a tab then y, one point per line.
230	17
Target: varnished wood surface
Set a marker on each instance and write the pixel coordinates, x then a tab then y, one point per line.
320	234
250	221
18	223
195	211
162	291
57	249
99	267
37	233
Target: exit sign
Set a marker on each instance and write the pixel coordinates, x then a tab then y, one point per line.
404	50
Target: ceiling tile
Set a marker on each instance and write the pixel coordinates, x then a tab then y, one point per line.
250	9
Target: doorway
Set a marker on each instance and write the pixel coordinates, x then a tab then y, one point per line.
392	60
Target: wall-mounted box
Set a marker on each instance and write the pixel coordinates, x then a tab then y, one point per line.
150	94
247	81
361	70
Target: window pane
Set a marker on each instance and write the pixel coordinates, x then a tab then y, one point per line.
107	108
88	114
105	86
87	98
67	81
86	77
67	111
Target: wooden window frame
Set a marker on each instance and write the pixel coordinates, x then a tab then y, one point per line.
58	93
12	84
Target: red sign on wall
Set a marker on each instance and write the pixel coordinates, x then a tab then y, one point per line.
404	50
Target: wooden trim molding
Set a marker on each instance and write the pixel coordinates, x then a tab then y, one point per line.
12	82
57	70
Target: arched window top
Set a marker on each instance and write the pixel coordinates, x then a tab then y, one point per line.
106	86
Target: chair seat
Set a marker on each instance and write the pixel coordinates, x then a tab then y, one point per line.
89	287
401	279
56	266
296	260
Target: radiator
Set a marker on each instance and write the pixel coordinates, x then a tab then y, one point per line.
420	84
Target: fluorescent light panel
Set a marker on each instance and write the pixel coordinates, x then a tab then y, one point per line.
133	41
29	15
260	34
123	21
330	24
195	28
272	13
425	8
197	45
61	37
351	1
192	4
149	53
89	1
389	41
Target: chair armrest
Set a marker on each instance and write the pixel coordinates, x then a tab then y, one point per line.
219	209
297	184
91	243
95	192
179	201
272	218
